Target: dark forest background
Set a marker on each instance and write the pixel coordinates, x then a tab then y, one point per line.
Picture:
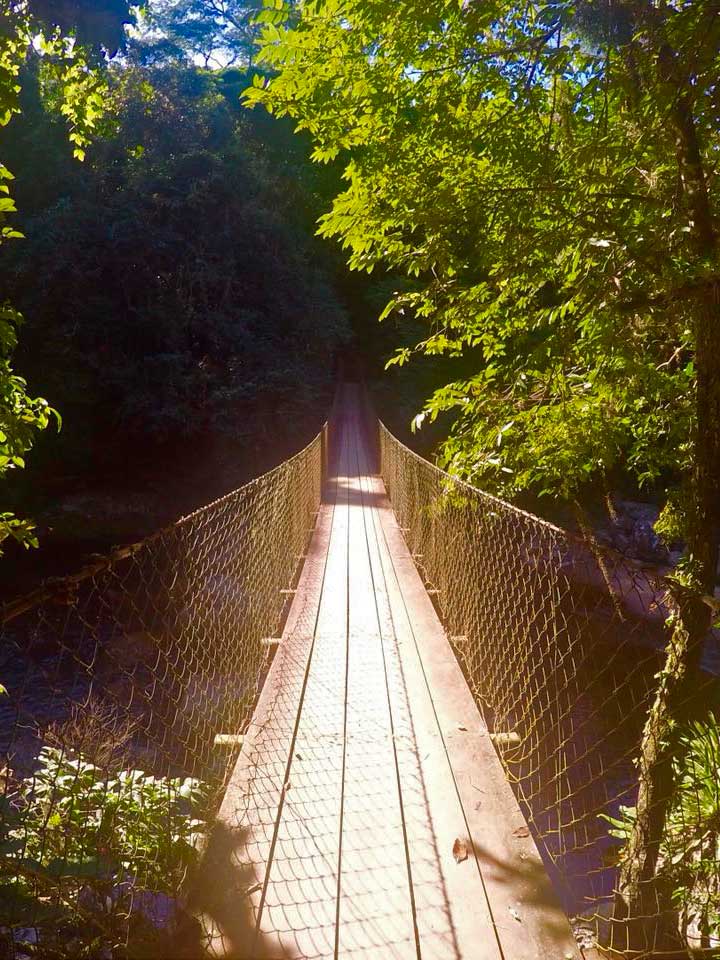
180	312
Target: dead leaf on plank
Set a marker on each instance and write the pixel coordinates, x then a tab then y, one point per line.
461	726
521	832
460	850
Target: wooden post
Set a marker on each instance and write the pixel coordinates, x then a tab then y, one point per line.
324	454
505	739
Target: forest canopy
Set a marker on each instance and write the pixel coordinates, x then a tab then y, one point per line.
521	166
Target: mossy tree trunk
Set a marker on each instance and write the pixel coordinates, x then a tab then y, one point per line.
644	915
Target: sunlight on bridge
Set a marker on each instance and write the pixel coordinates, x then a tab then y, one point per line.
351	827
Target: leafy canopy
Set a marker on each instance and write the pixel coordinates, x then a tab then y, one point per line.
214	33
516	163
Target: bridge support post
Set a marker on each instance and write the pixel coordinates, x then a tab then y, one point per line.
323	455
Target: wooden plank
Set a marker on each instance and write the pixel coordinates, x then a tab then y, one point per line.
227	897
453	915
375	914
527	918
299	904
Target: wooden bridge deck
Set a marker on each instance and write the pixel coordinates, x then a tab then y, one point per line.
365	762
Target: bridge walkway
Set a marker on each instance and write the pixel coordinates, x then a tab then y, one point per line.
368	815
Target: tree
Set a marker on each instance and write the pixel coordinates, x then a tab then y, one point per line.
216	33
72	35
545	176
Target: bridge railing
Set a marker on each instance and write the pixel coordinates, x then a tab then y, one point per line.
127	689
561	642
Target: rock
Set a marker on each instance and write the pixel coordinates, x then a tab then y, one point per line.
632	532
622	542
159	909
24	937
635	510
646	544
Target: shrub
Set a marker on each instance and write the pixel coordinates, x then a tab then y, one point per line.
92	859
96	732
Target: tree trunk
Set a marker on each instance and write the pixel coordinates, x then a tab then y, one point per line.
647	919
644	919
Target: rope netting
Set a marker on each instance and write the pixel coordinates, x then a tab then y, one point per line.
128	687
562	642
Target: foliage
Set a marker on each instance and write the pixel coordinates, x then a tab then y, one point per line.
690	849
506	159
90	843
20	416
215	33
174	289
96	24
71	37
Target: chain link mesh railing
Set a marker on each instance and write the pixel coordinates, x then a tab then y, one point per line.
127	689
562	642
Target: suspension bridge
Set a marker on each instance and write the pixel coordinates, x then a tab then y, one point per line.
413	703
368	814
